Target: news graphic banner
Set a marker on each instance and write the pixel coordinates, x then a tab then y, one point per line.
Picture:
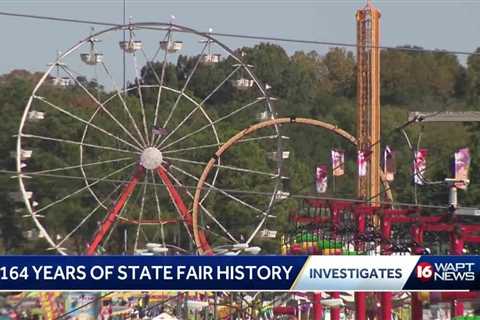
275	273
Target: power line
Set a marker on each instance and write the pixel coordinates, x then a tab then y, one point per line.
21	15
245	36
340	44
237	191
84	305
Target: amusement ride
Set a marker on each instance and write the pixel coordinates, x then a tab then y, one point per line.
153	167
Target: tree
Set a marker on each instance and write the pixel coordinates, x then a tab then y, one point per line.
341	71
473	79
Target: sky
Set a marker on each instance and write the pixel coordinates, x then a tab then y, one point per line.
31	44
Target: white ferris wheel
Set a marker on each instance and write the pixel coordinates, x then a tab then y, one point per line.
104	167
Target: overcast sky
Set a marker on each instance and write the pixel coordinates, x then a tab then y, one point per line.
31	44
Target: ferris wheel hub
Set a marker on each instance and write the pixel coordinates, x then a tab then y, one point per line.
151	158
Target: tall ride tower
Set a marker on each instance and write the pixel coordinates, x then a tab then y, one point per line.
368	99
368	122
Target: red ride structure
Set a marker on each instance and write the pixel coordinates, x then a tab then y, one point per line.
334	227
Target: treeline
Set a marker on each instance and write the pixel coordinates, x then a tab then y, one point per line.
312	85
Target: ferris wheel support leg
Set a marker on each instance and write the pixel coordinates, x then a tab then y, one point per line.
180	206
175	196
113	214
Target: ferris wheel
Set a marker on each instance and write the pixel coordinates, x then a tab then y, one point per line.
110	167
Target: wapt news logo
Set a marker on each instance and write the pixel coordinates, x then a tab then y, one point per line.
445	271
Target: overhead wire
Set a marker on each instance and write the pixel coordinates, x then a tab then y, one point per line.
99	298
246	36
245	192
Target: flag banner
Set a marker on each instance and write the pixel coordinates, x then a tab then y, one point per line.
419	166
159	131
389	167
338	162
321	178
362	162
240	273
462	166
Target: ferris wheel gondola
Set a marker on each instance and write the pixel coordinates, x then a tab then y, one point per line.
58	80
209	58
243	83
92	57
171	46
131	45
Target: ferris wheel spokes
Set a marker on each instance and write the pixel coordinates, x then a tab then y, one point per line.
225	193
233	168
88	145
161	81
187	81
211	124
220	85
140	215
138	81
123	102
39	172
268	137
198	106
159	211
87	217
88	123
92	96
51	204
209	214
